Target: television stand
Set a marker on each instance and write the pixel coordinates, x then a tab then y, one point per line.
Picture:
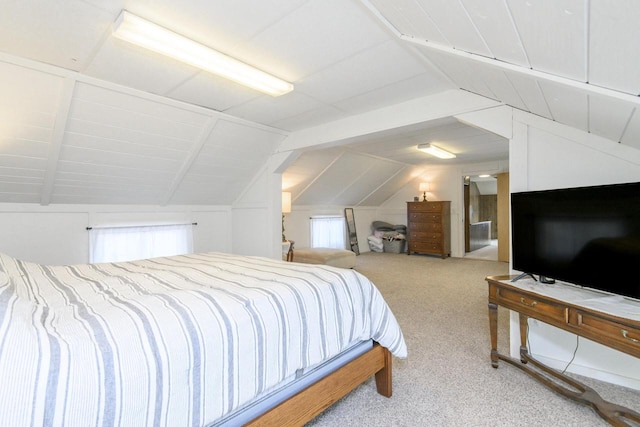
546	304
522	276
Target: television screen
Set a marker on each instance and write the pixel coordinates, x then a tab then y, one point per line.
589	236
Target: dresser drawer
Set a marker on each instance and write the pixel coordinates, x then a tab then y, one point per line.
625	335
425	207
426	227
428	246
531	306
425	235
424	217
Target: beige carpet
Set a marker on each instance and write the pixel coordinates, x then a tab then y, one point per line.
447	380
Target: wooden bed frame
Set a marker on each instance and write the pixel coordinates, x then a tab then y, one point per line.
308	403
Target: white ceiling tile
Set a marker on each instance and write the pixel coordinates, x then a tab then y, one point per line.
139	103
460	71
129	119
321	114
66	31
613	44
409	18
268	110
371	69
608	117
245	139
128	160
493	20
400	91
554	35
529	92
453	21
631	135
311	38
133	66
367	183
210	91
567	105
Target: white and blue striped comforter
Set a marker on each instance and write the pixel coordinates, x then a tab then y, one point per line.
171	341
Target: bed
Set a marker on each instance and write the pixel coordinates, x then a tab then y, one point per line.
201	339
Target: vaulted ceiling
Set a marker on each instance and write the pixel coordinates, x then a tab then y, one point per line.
87	118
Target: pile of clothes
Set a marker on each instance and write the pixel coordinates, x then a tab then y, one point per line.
383	231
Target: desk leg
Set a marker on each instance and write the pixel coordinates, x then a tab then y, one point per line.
524	352
493	330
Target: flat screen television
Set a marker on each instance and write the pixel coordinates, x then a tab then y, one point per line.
588	236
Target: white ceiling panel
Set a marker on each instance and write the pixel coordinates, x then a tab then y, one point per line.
460	72
493	21
361	73
530	93
246	139
368	182
129	65
409	18
268	110
631	135
307	167
313	37
342	173
65	32
323	114
391	186
554	35
608	117
453	21
614	33
213	92
567	105
420	85
497	84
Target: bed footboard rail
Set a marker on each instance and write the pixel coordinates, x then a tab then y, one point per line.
311	401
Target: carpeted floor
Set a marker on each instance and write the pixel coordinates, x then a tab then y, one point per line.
447	380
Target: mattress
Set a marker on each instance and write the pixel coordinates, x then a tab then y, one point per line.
183	340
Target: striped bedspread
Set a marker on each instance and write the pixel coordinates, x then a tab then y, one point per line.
171	341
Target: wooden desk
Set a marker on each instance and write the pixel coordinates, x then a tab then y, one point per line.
563	306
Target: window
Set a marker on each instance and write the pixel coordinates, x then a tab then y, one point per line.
327	232
113	244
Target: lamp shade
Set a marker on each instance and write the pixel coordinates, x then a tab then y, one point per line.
286	202
425	186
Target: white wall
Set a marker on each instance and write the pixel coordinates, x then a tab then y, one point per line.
58	234
546	155
297	223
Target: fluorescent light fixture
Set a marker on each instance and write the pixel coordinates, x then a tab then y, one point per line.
136	30
436	151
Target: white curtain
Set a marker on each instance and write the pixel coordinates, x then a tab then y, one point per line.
113	244
328	232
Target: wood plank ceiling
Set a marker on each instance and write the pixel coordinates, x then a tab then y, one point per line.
86	118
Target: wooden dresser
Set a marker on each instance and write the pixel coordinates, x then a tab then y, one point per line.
429	228
608	320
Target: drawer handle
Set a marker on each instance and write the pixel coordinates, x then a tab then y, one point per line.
532	304
625	334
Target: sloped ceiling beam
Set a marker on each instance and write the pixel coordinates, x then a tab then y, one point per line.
589	88
57	138
193	154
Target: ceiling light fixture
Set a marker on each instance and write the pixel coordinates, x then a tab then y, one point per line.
136	30
436	151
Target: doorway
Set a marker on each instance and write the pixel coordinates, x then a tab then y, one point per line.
481	217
